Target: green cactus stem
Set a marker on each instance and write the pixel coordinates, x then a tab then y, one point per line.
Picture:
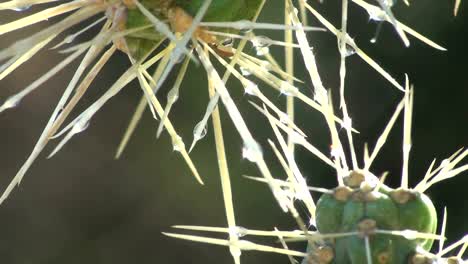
141	42
365	206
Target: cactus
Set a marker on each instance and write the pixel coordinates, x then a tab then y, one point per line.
366	208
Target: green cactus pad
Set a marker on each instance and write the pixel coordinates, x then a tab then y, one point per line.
367	210
329	218
141	42
381	249
222	10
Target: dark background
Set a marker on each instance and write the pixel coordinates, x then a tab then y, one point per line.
82	206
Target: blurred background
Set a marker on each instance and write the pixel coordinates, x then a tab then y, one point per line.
82	206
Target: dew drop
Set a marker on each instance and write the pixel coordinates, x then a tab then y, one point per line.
245	31
252	151
445	163
11	102
335	151
347	123
409	234
377	14
262	51
288	89
80	126
244	71
200	130
266	65
388	3
240	231
177	144
261	44
349	50
321	95
173	95
21	8
250	88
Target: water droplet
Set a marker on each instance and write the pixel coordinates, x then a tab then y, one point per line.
172	95
409	234
177	144
250	88
321	95
262	51
335	152
11	102
288	89
245	71
261	41
261	44
445	163
377	14
238	231
349	50
389	3
252	151
21	8
266	65
80	126
245	30
200	130
69	39
347	123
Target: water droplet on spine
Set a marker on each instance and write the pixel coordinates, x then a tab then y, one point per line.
21	8
177	144
261	44
244	71
252	151
288	89
80	126
349	50
250	88
377	14
200	130
240	231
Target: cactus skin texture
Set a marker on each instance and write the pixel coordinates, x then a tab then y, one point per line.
222	10
140	43
365	206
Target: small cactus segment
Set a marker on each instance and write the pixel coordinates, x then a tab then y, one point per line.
365	206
